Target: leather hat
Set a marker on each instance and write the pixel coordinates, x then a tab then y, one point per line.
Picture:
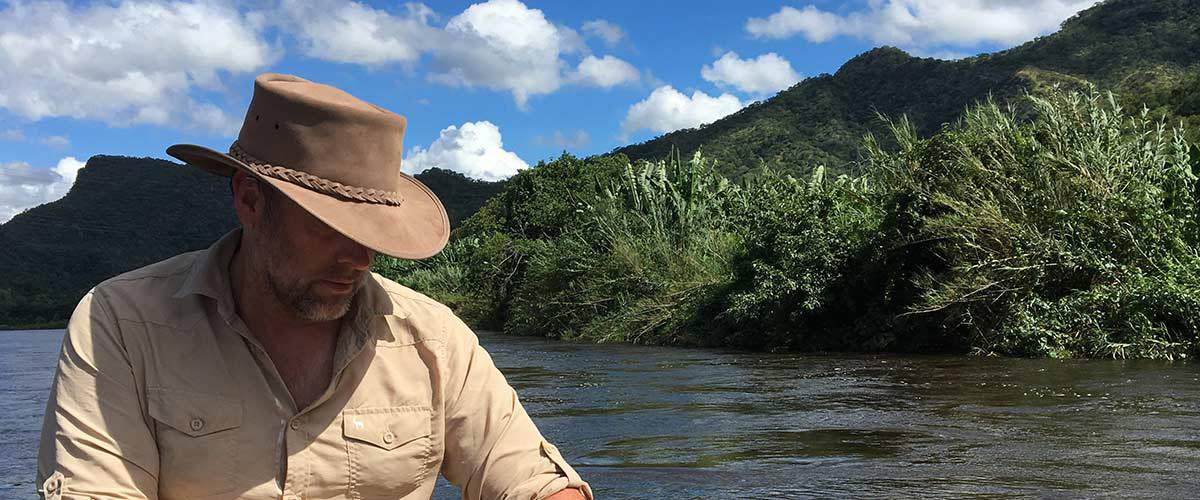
336	156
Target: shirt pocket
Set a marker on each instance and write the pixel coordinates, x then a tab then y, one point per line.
197	449
389	449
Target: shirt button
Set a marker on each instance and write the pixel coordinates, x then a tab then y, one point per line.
388	437
295	425
197	424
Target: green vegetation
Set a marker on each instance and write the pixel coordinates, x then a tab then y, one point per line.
1144	50
1070	232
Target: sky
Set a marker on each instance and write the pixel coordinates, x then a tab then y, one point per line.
488	88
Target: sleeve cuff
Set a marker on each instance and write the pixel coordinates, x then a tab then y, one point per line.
567	477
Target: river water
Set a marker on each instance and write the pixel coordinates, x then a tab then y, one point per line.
650	422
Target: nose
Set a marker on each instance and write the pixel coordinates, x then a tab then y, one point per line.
355	255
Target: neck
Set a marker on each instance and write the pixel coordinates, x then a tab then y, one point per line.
264	314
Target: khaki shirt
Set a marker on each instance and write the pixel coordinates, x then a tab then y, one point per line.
162	392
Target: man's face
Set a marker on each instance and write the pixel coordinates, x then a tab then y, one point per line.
309	267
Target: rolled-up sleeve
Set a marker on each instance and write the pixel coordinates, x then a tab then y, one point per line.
95	442
493	448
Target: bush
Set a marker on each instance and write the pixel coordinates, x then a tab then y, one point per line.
649	252
1074	234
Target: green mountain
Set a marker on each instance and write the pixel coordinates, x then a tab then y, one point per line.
1147	51
123	213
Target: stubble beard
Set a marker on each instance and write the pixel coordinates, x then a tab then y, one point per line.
298	295
305	303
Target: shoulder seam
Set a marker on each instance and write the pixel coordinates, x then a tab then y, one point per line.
122	277
414	299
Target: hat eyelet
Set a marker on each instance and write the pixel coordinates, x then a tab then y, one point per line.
255	117
276	126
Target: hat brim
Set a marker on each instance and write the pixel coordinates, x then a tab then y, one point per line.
416	229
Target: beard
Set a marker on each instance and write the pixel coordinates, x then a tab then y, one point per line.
300	294
304	300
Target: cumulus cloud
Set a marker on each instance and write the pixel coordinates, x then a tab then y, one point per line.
23	186
500	45
923	23
475	150
606	72
764	74
573	140
350	32
604	30
504	45
123	63
667	109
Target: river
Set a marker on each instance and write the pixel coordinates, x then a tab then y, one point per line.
653	422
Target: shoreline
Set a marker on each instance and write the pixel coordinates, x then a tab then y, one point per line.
45	325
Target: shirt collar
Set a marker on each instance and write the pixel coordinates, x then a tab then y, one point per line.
209	275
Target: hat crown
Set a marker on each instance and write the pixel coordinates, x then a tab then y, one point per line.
323	131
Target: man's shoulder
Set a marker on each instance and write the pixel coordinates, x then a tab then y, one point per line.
425	316
144	286
166	270
407	299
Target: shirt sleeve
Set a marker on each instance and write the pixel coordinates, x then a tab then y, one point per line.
493	448
95	441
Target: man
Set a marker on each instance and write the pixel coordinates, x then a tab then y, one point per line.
274	364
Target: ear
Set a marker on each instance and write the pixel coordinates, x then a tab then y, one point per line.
248	199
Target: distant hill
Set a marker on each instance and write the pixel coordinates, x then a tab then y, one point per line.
123	213
1146	50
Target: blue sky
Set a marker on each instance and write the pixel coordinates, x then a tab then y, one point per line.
488	87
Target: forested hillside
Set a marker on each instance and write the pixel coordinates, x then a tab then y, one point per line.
1147	51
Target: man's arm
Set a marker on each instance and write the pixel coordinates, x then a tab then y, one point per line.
95	441
493	448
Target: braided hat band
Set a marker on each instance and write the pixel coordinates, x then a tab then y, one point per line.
318	184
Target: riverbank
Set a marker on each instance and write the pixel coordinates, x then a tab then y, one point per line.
1066	227
45	325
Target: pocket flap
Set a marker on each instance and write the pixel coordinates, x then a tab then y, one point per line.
387	428
192	413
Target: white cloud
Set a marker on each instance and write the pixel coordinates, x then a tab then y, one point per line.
12	134
816	25
56	141
924	23
23	186
575	140
474	149
504	45
667	110
123	63
501	45
350	32
764	74
604	30
606	72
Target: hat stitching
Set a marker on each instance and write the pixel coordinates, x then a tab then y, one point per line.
315	183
